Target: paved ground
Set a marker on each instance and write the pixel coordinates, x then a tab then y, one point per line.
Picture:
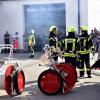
85	89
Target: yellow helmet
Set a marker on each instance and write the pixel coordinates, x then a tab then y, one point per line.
84	28
71	29
52	28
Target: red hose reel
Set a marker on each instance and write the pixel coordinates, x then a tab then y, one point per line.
13	81
60	79
12	78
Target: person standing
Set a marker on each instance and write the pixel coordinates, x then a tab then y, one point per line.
7	38
7	41
84	45
70	47
98	41
15	41
31	43
53	41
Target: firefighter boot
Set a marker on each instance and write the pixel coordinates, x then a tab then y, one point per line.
81	74
31	56
89	74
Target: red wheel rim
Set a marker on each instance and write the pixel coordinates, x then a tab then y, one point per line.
50	82
8	80
71	77
21	81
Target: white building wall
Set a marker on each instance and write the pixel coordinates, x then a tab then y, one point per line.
72	13
83	12
94	14
12	15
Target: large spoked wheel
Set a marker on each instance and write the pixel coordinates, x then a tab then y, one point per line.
50	82
19	81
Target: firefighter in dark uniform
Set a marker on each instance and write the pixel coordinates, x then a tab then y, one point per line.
84	46
7	38
7	41
70	47
53	41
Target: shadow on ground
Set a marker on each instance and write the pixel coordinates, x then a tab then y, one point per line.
82	91
20	56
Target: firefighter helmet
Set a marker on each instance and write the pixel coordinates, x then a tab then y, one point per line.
71	29
84	28
32	31
52	28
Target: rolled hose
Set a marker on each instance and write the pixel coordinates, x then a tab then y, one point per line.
19	81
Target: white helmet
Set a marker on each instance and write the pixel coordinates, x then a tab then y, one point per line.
46	47
32	31
52	28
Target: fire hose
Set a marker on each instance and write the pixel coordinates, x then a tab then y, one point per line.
60	77
12	78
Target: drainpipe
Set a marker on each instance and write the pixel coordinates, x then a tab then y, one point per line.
78	16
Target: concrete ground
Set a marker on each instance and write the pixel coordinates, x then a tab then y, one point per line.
85	89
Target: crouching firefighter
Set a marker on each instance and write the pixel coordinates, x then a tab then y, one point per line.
84	46
70	47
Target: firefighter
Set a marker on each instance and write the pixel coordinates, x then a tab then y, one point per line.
31	43
84	46
70	47
53	41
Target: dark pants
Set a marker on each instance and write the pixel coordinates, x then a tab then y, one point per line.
7	50
71	60
55	54
97	46
55	58
85	60
31	50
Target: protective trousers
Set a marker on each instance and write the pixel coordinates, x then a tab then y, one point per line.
85	61
71	60
31	50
